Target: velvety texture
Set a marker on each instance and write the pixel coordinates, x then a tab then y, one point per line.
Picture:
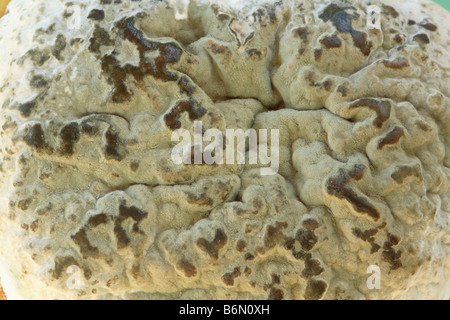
92	207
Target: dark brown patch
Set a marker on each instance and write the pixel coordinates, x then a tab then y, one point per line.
134	166
382	108
357	172
276	294
24	204
111	149
131	212
392	137
366	235
360	41
169	53
388	10
306	238
35	137
172	118
100	37
338	16
343	23
124	213
310	224
76	41
34	225
249	257
88	127
312	268
275	278
38	81
82	241
116	76
61	264
42	31
212	248
343	90
404	172
201	199
338	188
301	33
87	273
97	220
274	234
185	86
228	278
69	135
369	236
389	254
396	64
327	84
315	289
223	16
254	54
59	46
301	255
374	247
38	57
67	13
429	26
96	14
289	243
421	38
217	48
26	108
331	42
317	54
241	245
187	267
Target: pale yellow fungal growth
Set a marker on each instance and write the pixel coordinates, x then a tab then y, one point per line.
93	207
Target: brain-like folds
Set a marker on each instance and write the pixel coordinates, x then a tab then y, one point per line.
88	184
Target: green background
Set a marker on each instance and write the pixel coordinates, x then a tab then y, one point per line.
444	3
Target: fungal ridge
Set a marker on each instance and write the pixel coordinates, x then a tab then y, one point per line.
338	187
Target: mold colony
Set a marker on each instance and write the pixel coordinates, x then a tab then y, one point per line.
363	178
